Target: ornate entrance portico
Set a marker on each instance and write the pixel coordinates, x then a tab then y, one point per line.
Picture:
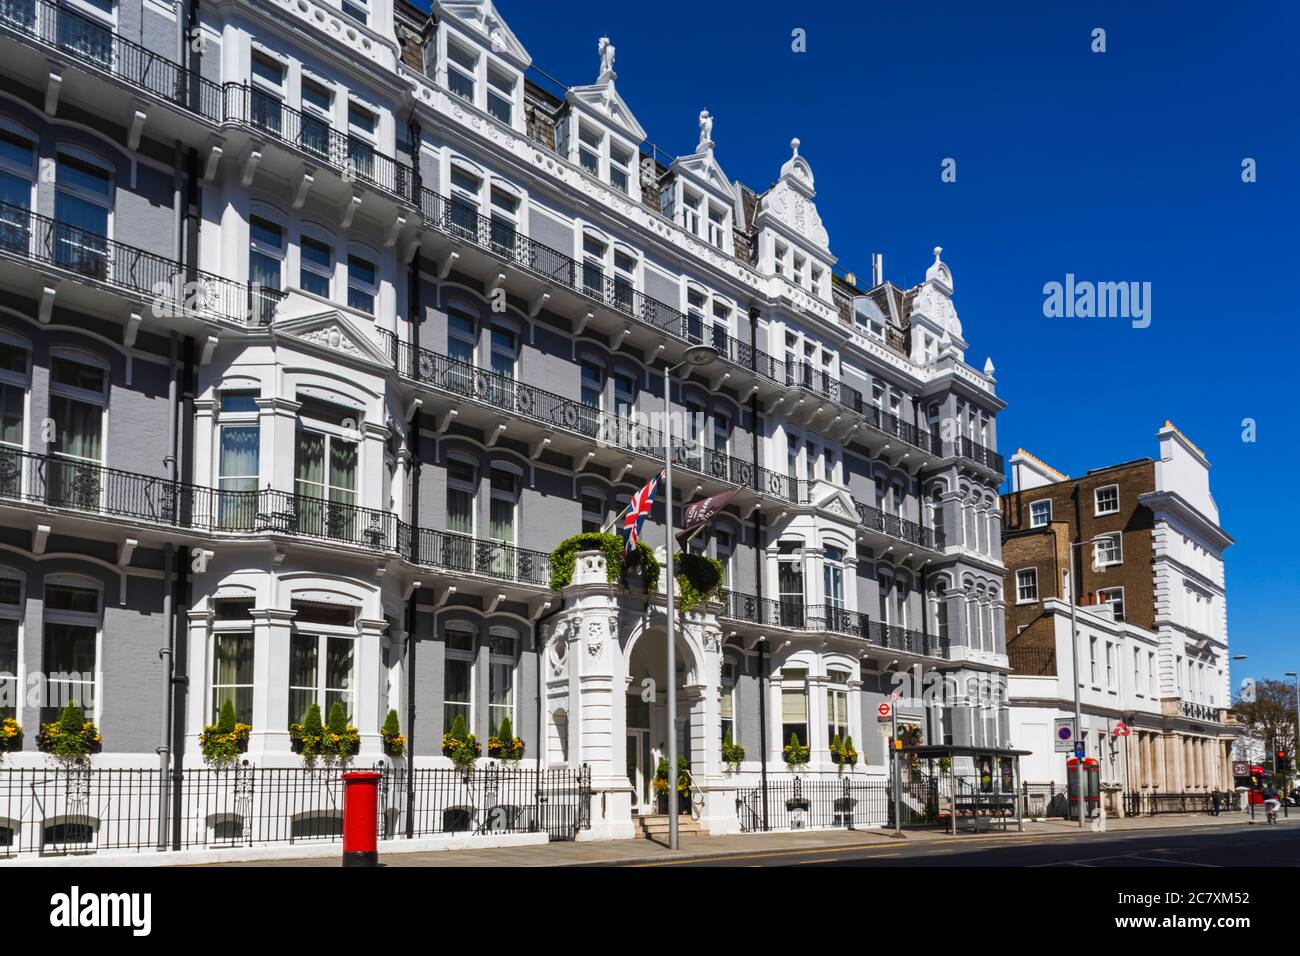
605	700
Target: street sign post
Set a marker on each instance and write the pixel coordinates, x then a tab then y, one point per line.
1064	735
1080	749
1121	730
884	711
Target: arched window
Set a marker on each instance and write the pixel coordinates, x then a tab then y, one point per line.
789	582
833	576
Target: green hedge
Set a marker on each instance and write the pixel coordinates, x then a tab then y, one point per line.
565	557
699	578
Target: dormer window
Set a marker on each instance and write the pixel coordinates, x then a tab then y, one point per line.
589	142
500	94
691	203
717	225
462	68
620	168
358	10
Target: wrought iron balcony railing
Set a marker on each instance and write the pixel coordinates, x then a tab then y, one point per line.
161	281
555	411
353	157
900	528
90	489
94	45
461	553
980	455
829	618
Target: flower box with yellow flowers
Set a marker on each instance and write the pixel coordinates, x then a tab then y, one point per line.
11	735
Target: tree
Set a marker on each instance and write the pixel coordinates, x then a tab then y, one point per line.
505	733
226	719
392	727
1270	719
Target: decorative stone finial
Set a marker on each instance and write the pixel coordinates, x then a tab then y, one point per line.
938	251
794	147
706	131
988	367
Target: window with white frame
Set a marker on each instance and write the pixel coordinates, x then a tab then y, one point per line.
315	267
1027	586
363	140
501	679
789	578
500	94
266	254
724	547
779	254
1110	665
794	705
266	92
1108	550
728	702
833	576
1137	671
624	279
505	220
462	69
17	179
69	645
11	616
462	486
232	659
78	404
1115	598
505	501
363	284
466	190
83	208
593	264
695	306
462	336
1040	513
326	457
504	343
837	704
358	10
1152	678
1107	500
692	203
593	383
1092	660
621	165
625	389
317	116
717	226
239	440
590	141
322	654
458	675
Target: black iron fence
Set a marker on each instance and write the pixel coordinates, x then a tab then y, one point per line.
979	454
60	811
1149	803
1044	800
354	157
808	803
466	555
94	45
158	280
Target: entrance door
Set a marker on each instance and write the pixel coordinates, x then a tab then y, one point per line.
639	769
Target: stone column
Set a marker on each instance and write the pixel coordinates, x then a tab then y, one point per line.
200	668
272	630
367	664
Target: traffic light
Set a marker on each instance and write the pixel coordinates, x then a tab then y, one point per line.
1283	761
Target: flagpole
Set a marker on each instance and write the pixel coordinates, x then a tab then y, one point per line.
672	641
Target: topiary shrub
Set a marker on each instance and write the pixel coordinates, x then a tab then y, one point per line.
342	740
565	558
308	737
733	755
504	745
391	732
460	745
699	579
795	754
222	743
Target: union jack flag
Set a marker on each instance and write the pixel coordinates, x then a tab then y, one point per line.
638	510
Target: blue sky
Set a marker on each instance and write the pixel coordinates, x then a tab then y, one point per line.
1118	166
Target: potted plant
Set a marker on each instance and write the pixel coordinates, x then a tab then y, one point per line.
306	738
70	740
795	754
460	745
391	732
504	745
843	753
660	785
342	740
222	743
11	736
733	755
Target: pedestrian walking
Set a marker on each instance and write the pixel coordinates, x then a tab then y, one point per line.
1215	802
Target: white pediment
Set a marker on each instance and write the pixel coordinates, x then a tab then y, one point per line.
838	504
603	102
480	17
702	168
335	331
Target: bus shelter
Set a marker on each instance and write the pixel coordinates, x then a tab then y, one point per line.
977	785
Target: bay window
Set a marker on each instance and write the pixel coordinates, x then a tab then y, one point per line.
326	468
789	578
239	438
232	660
833	577
322	633
265	264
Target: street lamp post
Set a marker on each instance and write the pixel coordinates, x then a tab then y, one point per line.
695	356
1074	648
1296	746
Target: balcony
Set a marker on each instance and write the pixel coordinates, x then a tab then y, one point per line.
985	457
142	276
317	141
99	492
594	429
829	619
901	529
90	45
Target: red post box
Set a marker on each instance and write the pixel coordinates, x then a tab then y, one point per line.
360	818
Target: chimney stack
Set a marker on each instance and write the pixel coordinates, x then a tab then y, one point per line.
877	269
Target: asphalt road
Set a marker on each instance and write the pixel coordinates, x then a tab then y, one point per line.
1246	845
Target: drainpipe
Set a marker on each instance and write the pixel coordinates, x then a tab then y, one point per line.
758	587
762	719
413	445
166	653
181	590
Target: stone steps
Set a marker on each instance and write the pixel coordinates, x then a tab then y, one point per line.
654	826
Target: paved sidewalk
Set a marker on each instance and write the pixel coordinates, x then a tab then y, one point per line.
640	851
